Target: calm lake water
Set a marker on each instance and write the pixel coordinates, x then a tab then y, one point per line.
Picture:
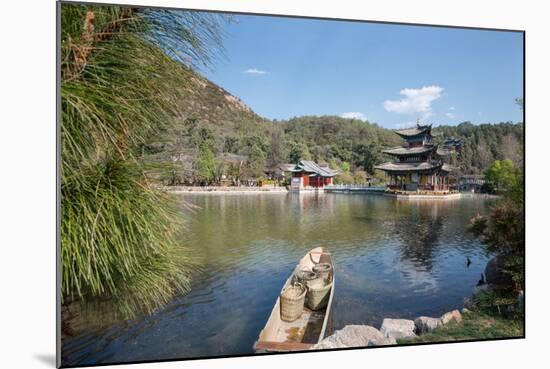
392	258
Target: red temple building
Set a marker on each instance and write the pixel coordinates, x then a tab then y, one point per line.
309	175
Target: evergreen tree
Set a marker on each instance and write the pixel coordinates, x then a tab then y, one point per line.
257	162
206	164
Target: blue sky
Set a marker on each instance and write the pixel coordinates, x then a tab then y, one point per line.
388	74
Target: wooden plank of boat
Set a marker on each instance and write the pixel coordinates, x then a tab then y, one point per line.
310	328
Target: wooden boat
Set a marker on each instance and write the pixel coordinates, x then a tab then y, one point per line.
306	331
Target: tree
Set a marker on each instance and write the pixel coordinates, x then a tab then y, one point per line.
121	71
502	175
236	172
206	164
503	230
360	177
275	155
345	167
343	178
367	156
257	162
299	151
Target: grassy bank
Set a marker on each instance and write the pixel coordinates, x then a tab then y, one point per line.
474	326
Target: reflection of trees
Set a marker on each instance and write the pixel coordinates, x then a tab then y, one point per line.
418	226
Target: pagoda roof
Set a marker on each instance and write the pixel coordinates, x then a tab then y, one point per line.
448	168
409	166
405	151
414	131
452	140
312	167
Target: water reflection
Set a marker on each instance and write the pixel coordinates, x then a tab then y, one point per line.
419	231
392	259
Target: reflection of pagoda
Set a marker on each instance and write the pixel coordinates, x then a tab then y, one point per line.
419	233
418	164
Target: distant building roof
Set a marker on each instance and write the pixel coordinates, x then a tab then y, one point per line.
453	144
409	166
312	167
452	140
444	151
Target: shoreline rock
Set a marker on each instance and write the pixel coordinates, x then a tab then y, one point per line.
390	331
451	316
398	328
426	324
355	336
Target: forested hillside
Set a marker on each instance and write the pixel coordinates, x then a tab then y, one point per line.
217	136
483	144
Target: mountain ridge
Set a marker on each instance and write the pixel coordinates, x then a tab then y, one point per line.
212	123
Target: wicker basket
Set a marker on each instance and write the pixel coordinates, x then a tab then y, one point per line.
304	275
323	270
292	302
318	295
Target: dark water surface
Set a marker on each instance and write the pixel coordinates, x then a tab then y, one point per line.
393	258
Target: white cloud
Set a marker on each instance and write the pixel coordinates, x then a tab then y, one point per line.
255	71
354	115
416	101
452	108
450	115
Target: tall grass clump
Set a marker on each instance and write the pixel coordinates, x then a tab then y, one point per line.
122	70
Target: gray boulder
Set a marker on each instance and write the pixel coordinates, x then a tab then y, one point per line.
398	328
425	324
354	336
451	316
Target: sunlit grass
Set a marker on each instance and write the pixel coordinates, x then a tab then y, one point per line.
476	325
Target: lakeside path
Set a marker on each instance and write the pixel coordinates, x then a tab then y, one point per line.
245	190
224	190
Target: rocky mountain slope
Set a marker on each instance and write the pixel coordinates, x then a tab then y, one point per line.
214	131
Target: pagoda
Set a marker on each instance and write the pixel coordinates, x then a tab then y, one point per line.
418	164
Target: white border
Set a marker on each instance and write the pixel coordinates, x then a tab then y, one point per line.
28	184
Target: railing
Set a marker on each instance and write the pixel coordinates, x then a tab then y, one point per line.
355	188
426	187
479	182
